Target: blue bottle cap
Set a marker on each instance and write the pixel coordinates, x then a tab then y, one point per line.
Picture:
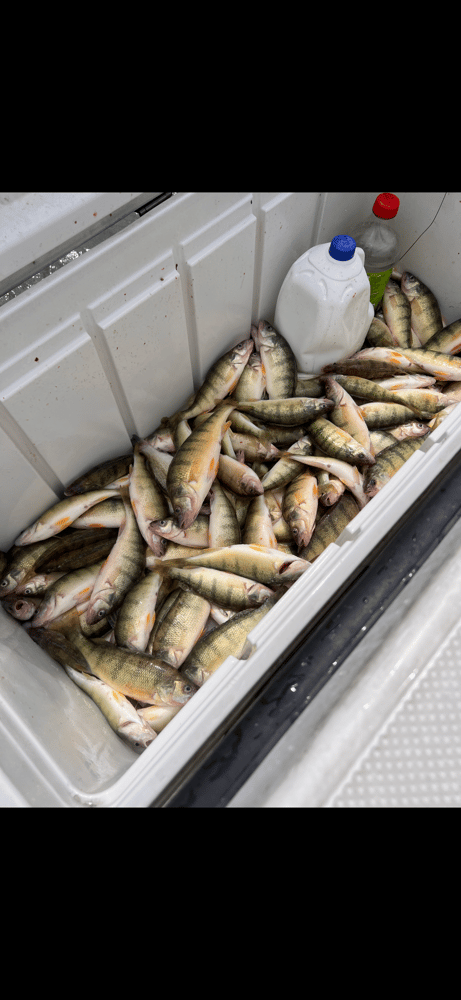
342	247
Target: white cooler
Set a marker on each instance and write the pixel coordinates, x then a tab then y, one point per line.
113	307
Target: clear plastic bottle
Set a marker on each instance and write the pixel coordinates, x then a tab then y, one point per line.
379	242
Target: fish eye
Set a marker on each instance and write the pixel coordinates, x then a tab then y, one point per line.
101	613
178	510
187	689
4	583
28	590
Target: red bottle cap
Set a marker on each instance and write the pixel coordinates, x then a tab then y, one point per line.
386	205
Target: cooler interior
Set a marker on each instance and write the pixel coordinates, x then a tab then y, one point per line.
105	347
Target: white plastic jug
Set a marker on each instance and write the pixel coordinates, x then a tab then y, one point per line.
323	308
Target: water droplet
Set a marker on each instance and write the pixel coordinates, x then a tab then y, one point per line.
365	600
364	628
293	687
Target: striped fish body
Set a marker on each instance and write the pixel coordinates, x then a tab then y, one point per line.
346	414
136	616
330	526
147	500
263	563
252	382
388	462
278	360
223	526
100	475
195	465
287	411
121	570
218	587
382	415
426	318
228	639
448	340
258	528
337	443
300	504
181	627
136	675
220	379
397	313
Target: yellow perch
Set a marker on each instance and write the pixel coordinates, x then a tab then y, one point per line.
196	536
218	587
60	516
136	675
136	616
346	413
426	318
69	591
220	379
278	360
122	568
223	526
258	528
337	443
147	499
330	526
295	410
252	381
238	476
116	708
195	465
300	506
347	473
181	627
397	313
228	639
264	563
388	462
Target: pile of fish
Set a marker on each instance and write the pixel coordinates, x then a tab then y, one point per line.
156	565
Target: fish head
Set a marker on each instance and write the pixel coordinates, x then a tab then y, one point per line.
7	585
139	735
292	568
410	284
183	689
45	612
99	607
264	335
241	352
254	361
185	506
300	531
371	487
252	485
256	593
157	544
22	608
28	535
194	673
164	527
32	586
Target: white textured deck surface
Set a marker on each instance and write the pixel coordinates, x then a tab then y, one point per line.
385	731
